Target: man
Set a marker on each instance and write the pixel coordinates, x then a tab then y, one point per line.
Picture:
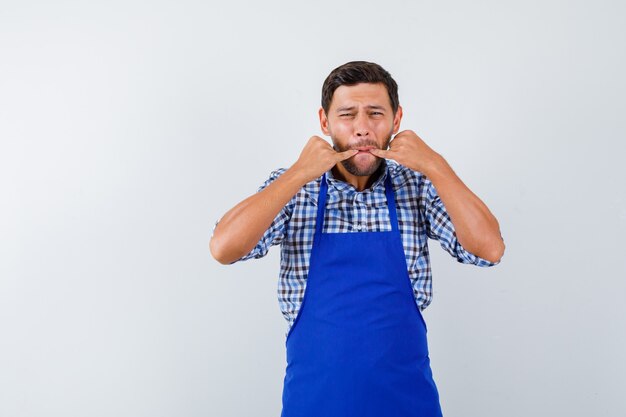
353	221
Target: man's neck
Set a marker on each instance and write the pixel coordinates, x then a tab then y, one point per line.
359	182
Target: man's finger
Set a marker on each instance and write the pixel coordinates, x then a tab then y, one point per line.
380	153
346	154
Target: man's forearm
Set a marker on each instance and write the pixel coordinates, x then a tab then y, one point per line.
239	230
477	230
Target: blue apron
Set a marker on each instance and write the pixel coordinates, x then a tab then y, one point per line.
358	344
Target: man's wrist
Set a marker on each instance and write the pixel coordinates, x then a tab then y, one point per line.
437	168
296	176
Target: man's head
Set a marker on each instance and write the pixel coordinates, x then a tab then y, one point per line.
356	72
360	109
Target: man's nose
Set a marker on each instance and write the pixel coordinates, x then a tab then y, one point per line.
361	127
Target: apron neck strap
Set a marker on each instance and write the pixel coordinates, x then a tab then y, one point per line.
321	204
391	203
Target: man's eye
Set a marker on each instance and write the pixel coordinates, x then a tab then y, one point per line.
376	113
345	114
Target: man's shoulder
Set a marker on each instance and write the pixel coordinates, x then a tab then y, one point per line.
308	191
276	173
403	177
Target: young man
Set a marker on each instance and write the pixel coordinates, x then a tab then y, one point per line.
353	221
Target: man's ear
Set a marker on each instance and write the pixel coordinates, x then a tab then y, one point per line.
396	120
323	121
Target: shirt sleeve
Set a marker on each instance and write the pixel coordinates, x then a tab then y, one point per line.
276	232
439	227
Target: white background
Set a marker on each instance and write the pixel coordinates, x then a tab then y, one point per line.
128	127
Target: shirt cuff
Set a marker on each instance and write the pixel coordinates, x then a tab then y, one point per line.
469	258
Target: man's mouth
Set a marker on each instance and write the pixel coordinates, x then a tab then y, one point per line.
364	149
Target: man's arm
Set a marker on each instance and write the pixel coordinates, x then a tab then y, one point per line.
477	230
239	230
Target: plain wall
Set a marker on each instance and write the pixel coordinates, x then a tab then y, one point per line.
127	128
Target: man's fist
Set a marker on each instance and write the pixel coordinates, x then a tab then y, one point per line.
317	157
409	150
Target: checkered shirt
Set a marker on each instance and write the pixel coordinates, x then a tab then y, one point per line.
421	215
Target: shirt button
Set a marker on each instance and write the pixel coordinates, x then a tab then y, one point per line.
359	226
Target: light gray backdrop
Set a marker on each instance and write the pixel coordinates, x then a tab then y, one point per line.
128	127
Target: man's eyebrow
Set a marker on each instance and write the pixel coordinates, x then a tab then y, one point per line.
369	106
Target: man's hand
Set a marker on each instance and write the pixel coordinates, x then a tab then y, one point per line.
409	150
317	157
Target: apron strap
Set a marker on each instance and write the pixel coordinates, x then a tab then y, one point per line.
321	204
391	203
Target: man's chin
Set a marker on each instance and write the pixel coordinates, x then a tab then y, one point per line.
362	169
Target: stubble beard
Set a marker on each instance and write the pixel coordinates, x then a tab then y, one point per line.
351	166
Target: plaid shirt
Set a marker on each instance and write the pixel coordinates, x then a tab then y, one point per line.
421	215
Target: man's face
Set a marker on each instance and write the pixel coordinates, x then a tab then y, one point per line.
360	117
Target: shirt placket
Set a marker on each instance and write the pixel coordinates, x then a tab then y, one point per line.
359	213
